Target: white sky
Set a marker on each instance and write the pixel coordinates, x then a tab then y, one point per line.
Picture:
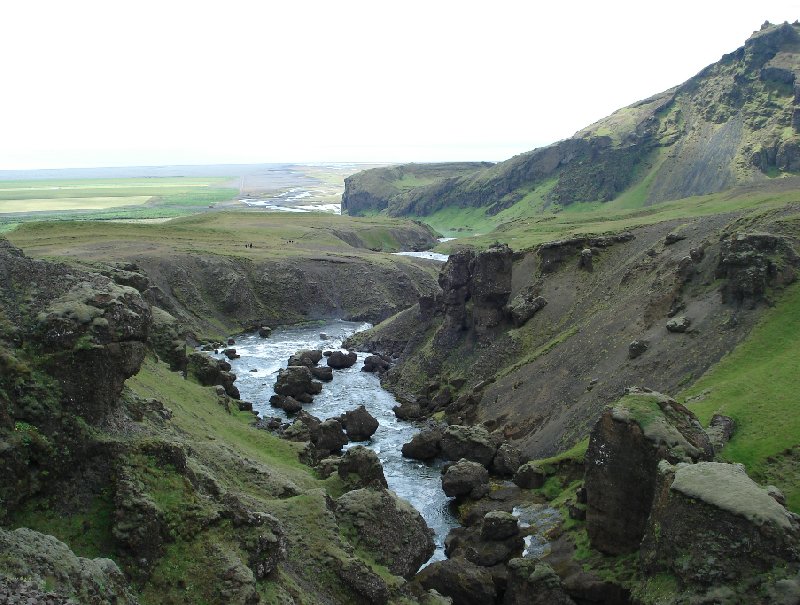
118	82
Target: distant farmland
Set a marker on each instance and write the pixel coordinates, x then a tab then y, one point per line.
126	198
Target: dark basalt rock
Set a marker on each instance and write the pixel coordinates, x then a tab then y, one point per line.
711	525
375	363
751	263
324	373
720	431
359	424
470	442
288	404
529	476
425	445
625	447
637	348
297	382
679	325
210	372
306	357
524	306
329	437
531	582
265	332
506	461
462	581
339	360
364	463
466	479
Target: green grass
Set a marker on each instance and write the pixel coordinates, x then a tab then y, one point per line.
590	219
225	232
87	532
109	199
757	385
198	415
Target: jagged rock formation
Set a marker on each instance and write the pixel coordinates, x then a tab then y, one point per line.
625	448
735	122
546	381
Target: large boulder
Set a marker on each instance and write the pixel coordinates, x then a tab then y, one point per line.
364	463
329	437
462	581
324	373
468	543
359	424
531	582
524	306
297	382
375	363
712	525
506	461
306	357
389	528
625	447
339	360
211	372
529	476
425	445
46	560
466	479
471	442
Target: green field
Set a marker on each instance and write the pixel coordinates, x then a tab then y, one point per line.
103	199
757	385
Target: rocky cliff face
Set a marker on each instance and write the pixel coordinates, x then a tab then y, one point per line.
737	121
583	319
68	341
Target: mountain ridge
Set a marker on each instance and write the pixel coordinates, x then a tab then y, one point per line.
735	122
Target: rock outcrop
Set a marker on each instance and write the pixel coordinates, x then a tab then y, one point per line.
466	479
425	445
462	581
33	556
212	372
753	262
297	382
387	527
625	448
359	424
712	525
470	442
364	463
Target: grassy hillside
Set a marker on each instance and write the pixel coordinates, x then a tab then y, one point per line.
757	385
532	226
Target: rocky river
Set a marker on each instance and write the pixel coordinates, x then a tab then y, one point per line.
415	481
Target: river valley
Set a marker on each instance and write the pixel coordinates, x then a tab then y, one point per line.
417	482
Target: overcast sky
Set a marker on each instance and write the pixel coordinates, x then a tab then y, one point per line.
114	83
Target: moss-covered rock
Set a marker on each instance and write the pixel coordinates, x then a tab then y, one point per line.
30	555
625	447
387	527
711	525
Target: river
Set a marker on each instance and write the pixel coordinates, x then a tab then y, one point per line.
417	482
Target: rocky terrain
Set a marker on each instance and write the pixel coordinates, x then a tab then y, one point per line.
736	122
534	344
612	408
